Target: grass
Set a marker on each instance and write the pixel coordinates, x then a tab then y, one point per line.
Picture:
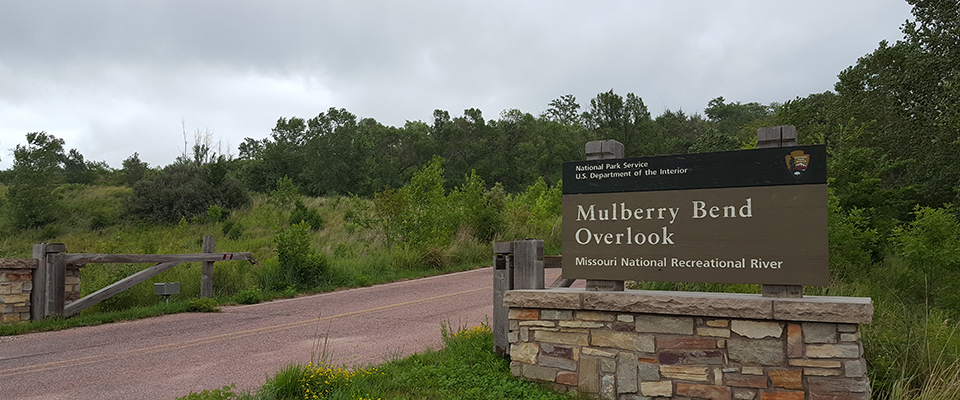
91	222
466	368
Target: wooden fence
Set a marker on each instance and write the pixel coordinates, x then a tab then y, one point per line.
47	297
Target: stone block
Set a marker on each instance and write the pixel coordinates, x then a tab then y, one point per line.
821	372
847	328
623	326
781	395
557	351
623	340
521	313
537	323
513	337
589	375
633	396
608	387
559	299
581	324
718	323
746	381
568	378
695	357
686	343
649	323
6	287
760	352
539	373
805	362
564	315
714	332
14	298
516	368
814	332
786	378
849	337
839	396
524	334
794	341
721	344
10	318
849	310
751	370
657	389
855	368
608	365
744	394
756	329
624	318
721	305
595	316
72	280
710	392
842	350
524	352
816	384
593	351
685	373
627	373
648	371
568	338
514	325
559	363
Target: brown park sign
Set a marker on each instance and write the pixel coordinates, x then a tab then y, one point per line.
751	216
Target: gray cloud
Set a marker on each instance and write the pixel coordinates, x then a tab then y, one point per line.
116	77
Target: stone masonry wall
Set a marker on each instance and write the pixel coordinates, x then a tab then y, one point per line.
16	283
676	345
16	286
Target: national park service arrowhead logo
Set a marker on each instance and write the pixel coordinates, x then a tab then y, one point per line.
797	162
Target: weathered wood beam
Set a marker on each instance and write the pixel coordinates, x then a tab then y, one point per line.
117	287
79	258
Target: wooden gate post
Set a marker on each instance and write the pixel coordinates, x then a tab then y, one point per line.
206	273
502	282
528	264
779	136
604	150
49	281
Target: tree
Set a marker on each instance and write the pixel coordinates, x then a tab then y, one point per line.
564	110
133	169
911	90
34	176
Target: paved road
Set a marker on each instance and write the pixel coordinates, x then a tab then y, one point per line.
170	356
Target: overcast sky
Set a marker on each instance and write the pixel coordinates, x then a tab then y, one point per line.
116	77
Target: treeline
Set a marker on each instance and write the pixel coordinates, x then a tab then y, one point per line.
338	153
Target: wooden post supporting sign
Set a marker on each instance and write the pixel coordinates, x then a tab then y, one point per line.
604	150
779	136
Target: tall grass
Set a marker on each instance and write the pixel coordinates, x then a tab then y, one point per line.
466	368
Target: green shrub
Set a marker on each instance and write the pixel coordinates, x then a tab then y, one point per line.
183	190
226	393
203	304
302	214
297	265
232	229
930	247
248	296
